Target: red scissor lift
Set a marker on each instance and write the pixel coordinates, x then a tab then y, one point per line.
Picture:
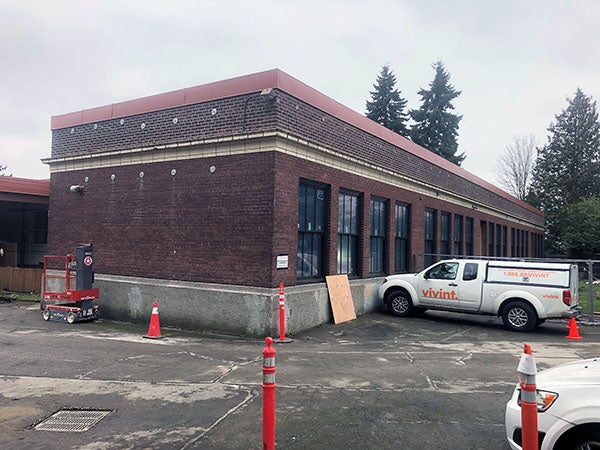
70	305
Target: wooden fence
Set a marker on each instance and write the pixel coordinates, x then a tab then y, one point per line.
17	279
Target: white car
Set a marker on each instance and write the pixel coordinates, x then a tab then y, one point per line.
568	399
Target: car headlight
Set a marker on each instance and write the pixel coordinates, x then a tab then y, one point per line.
544	399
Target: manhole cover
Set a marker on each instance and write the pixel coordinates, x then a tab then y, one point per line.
72	420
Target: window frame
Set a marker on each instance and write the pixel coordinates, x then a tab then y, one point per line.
313	237
377	234
458	235
402	237
348	233
469	235
429	235
445	218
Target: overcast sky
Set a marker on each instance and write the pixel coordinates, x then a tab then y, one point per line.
516	62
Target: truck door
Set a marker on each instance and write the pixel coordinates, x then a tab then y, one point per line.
470	287
438	286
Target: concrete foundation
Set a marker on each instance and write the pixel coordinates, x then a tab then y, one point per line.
237	310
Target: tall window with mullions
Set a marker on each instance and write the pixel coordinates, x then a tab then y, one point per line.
402	228
347	254
498	240
378	230
445	234
490	239
458	235
429	253
469	236
311	231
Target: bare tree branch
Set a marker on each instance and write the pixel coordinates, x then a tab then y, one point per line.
513	167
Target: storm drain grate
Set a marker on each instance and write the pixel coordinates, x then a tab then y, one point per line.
72	420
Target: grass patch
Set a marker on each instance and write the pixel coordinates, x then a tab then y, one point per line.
19	296
584	299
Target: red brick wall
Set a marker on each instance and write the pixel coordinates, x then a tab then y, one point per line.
250	113
230	225
196	225
223	227
288	174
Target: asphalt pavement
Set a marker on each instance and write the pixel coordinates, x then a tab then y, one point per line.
440	381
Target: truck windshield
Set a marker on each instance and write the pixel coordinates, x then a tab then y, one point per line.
443	271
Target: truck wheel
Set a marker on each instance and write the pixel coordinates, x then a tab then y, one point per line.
519	316
399	304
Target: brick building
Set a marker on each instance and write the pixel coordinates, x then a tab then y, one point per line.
210	196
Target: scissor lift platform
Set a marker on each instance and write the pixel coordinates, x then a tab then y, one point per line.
70	305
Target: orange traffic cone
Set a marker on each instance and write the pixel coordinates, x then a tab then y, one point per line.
154	328
573	330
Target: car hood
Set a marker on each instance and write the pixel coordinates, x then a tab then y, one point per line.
582	372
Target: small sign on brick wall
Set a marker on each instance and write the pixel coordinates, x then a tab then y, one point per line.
282	261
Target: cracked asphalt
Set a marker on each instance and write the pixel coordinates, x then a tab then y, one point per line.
436	381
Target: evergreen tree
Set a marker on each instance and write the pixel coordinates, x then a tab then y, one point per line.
582	229
436	128
386	106
567	168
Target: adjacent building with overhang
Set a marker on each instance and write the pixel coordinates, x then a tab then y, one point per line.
207	198
23	221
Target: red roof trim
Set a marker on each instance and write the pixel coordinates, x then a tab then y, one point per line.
274	78
25	186
197	94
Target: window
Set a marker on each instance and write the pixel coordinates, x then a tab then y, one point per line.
498	240
538	245
470	272
347	255
490	239
469	236
376	255
311	231
445	234
401	247
458	233
513	243
504	241
429	254
36	227
443	271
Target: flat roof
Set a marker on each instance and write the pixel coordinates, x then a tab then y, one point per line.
273	79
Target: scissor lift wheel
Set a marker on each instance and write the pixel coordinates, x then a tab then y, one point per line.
46	314
71	317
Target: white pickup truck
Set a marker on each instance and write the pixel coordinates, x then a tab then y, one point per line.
525	294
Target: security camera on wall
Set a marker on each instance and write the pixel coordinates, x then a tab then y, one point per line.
76	189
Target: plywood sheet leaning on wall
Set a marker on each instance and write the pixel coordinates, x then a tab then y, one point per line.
340	298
